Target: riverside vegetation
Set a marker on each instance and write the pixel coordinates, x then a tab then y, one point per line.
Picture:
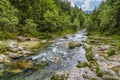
28	25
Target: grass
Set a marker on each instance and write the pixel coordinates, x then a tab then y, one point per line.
3	47
99	72
84	64
93	79
6	35
59	77
111	53
93	65
31	44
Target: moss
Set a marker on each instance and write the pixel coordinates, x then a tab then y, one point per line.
118	45
93	79
116	69
84	64
29	44
71	45
111	79
13	71
111	52
59	77
3	47
99	72
89	54
22	64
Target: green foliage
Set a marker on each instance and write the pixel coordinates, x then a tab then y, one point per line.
3	47
93	79
31	18
59	77
8	18
99	72
6	35
30	26
72	45
111	52
89	54
83	64
105	19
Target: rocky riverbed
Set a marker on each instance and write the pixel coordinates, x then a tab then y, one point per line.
68	58
103	55
103	60
13	53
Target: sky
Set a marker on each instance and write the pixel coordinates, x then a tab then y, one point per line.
86	5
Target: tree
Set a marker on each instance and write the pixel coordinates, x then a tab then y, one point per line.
8	18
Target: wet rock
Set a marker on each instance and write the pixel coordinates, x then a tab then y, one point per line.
4	58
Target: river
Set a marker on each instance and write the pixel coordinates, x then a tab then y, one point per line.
58	56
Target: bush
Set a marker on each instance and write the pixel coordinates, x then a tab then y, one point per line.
111	52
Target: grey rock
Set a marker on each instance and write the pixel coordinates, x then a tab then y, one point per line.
4	58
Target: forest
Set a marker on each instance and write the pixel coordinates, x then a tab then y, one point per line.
40	17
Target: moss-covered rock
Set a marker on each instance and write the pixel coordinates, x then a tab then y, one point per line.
13	71
72	45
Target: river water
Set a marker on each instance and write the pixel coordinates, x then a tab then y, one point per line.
58	56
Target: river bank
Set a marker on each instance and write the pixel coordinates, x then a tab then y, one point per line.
13	53
72	57
103	55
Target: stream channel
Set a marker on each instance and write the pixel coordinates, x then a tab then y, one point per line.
58	56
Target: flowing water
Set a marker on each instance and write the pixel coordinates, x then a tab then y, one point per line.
58	56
